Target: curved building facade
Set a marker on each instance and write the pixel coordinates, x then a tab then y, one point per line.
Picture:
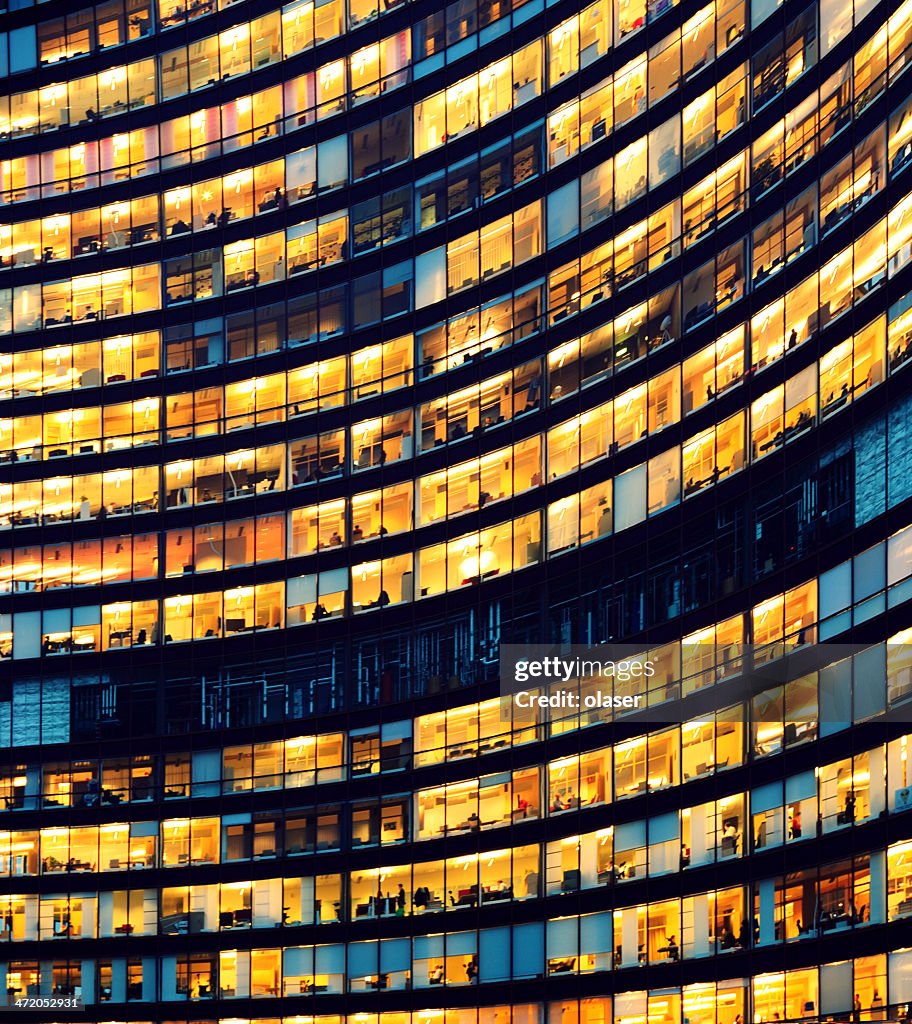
342	342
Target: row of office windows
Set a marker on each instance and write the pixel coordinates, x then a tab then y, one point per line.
271	186
776	418
463	561
273	257
90	30
457	734
444	116
516	237
839	378
652	76
788	233
607	857
308	245
466	337
877	577
205	134
71	432
109	24
134	979
562	946
316	596
463	732
822	801
267	187
361	374
447	345
216	546
219	201
266	606
777	719
303	26
474	101
570	47
379	67
813	902
836	896
272	38
571	209
473	730
766	997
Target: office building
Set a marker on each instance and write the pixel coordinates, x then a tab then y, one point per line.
343	341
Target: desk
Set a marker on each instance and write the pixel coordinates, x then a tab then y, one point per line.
903	156
774	442
496	895
297	266
482	747
901	353
474	580
142	233
377	906
237	280
242	491
830	921
692	486
562	966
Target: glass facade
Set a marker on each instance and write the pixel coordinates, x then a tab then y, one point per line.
284	289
